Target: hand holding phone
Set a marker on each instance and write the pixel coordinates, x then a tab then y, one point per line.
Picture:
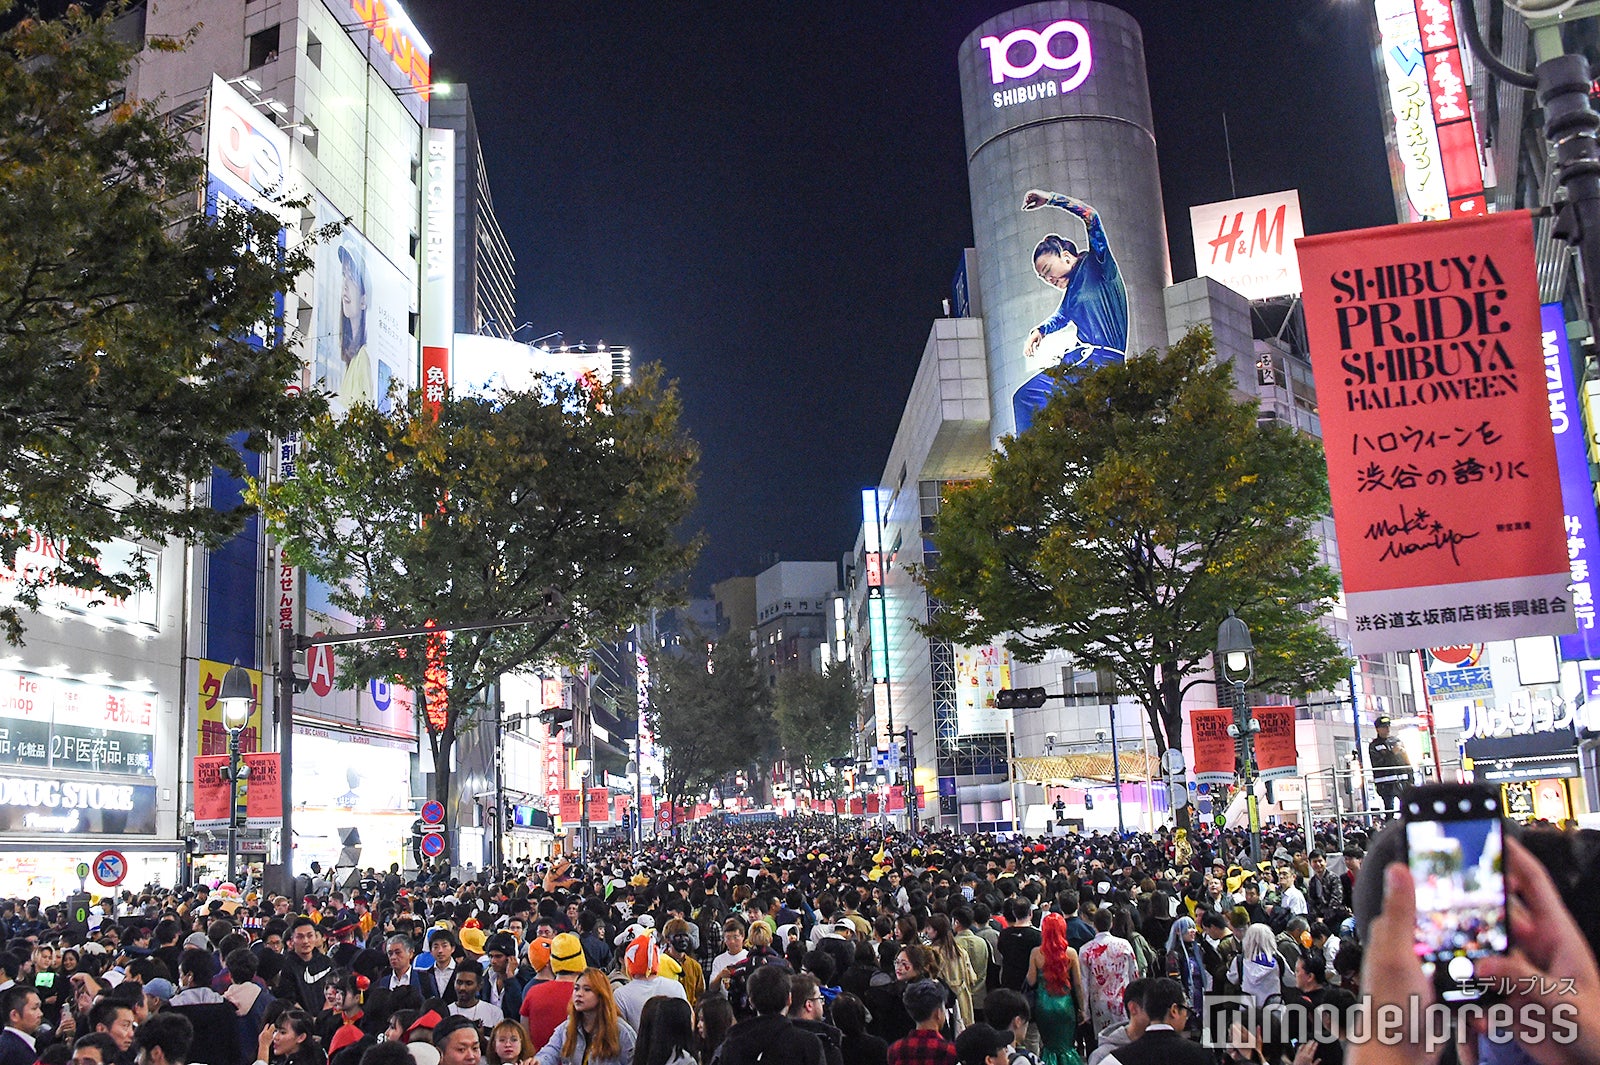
1455	849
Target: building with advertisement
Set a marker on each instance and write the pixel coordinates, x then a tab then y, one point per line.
1055	94
1525	709
1063	174
91	728
325	99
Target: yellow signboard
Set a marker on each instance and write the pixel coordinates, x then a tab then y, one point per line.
211	736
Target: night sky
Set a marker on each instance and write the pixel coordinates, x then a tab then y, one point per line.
770	200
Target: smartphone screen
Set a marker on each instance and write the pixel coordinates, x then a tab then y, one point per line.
1455	847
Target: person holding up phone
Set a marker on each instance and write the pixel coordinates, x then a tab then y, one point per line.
1550	965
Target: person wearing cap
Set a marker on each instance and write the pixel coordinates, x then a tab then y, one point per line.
1391	767
679	947
504	980
642	962
472	942
457	1042
544	1006
157	993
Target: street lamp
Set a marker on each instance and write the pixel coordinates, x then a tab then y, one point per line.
1236	656
584	766
236	695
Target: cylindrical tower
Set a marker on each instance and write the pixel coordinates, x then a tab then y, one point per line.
1055	99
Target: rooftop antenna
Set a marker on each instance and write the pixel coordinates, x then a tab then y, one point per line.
1233	189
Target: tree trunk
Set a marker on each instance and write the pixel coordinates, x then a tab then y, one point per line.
441	766
1172	721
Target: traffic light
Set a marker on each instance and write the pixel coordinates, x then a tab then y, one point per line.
1020	698
1088	801
555	717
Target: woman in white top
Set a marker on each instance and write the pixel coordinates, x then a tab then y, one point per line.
733	954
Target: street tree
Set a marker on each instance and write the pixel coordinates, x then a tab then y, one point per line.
141	335
816	718
559	502
1143	504
711	716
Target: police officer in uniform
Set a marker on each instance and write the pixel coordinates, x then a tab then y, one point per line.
1391	769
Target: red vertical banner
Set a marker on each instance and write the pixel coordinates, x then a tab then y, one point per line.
571	806
1211	749
897	799
1427	349
435	378
264	795
211	791
1277	757
1445	71
599	806
620	805
857	807
647	808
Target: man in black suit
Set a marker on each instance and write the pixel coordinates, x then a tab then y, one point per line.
24	1015
1163	1042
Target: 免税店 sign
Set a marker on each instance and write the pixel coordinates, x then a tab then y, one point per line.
1426	346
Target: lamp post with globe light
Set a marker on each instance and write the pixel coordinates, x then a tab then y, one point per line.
1236	662
236	696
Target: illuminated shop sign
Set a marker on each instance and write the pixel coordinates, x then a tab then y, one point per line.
30	804
394	35
1025	52
51	723
38	561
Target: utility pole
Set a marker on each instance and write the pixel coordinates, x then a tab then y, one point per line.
279	875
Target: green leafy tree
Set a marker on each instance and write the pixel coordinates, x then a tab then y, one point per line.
139	336
485	512
710	717
1144	503
816	718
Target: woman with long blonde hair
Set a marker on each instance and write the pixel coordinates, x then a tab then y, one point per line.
594	1032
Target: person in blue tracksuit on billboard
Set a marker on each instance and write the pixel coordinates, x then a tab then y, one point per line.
1094	305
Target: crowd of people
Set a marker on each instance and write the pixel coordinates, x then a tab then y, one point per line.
796	942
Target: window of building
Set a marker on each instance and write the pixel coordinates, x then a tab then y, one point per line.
314	49
263	47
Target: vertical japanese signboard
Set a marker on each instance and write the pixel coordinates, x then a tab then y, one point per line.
1577	491
1446	70
1425	344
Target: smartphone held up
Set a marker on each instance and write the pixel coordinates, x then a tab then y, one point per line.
1455	847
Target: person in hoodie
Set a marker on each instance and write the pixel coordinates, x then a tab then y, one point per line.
247	993
769	1037
1120	1035
808	1012
1256	970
